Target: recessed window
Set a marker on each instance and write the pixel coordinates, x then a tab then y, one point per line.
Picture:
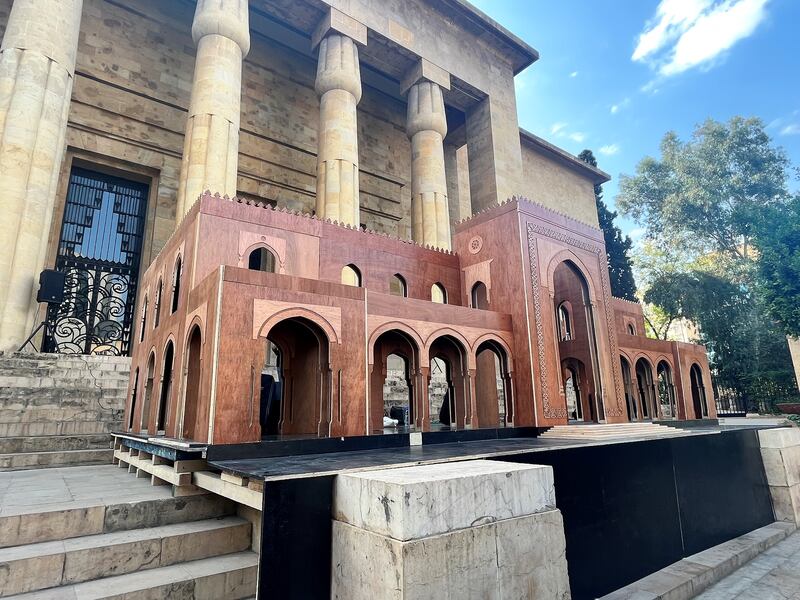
631	329
480	296
157	311
144	318
261	259
564	323
397	286
438	294
176	285
351	276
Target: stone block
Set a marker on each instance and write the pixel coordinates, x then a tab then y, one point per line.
786	503
335	20
781	437
424	69
415	502
523	558
50	525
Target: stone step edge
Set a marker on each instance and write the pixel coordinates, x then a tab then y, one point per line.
26	559
690	576
120	586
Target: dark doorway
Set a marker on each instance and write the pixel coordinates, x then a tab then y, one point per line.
99	252
698	392
193	376
645	388
148	393
166	388
492	386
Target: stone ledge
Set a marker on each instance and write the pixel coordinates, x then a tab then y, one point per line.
690	576
416	502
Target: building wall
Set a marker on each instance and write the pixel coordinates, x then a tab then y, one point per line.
552	185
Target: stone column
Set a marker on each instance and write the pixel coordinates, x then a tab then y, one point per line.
221	32
426	125
475	529
338	85
37	67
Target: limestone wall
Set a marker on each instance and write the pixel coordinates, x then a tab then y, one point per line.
547	182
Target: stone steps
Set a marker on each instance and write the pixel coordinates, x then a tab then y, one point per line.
610	431
64	563
229	577
60	458
94	411
57	428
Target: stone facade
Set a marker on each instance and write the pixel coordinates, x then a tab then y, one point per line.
140	77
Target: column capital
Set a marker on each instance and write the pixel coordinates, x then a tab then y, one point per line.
425	70
228	18
335	21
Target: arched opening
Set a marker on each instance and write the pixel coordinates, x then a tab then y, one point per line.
646	389
627	384
492	386
193	376
144	319
261	259
447	388
631	329
299	365
166	387
397	286
666	391
157	316
564	322
134	393
148	392
176	285
393	389
351	276
480	296
438	294
699	400
577	391
577	343
271	391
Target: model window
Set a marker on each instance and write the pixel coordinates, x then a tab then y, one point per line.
480	296
397	286
157	310
261	259
564	323
351	276
176	285
631	329
144	318
438	294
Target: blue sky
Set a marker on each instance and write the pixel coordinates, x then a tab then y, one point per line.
615	75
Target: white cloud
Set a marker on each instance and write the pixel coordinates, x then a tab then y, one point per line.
615	108
791	129
574	74
688	33
609	149
637	233
577	136
557	127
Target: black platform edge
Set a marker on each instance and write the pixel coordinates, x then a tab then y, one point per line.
300	447
141	443
690	424
474	435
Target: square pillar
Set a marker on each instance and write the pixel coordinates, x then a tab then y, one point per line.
477	529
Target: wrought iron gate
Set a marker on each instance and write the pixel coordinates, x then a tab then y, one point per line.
99	251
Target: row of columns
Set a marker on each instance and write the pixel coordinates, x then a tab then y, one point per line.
37	67
210	159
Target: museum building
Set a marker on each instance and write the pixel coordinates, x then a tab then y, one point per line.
312	218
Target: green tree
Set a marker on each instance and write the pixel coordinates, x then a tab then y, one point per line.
620	267
709	200
777	240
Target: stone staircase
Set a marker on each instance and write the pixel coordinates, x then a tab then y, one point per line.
58	410
598	431
141	544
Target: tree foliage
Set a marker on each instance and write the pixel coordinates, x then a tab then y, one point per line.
618	246
718	205
777	241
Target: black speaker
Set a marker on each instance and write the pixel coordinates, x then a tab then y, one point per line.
51	286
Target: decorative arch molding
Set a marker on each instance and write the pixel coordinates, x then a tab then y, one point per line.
534	231
280	261
298	312
447	331
568	255
624	354
647	359
490	337
398	326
